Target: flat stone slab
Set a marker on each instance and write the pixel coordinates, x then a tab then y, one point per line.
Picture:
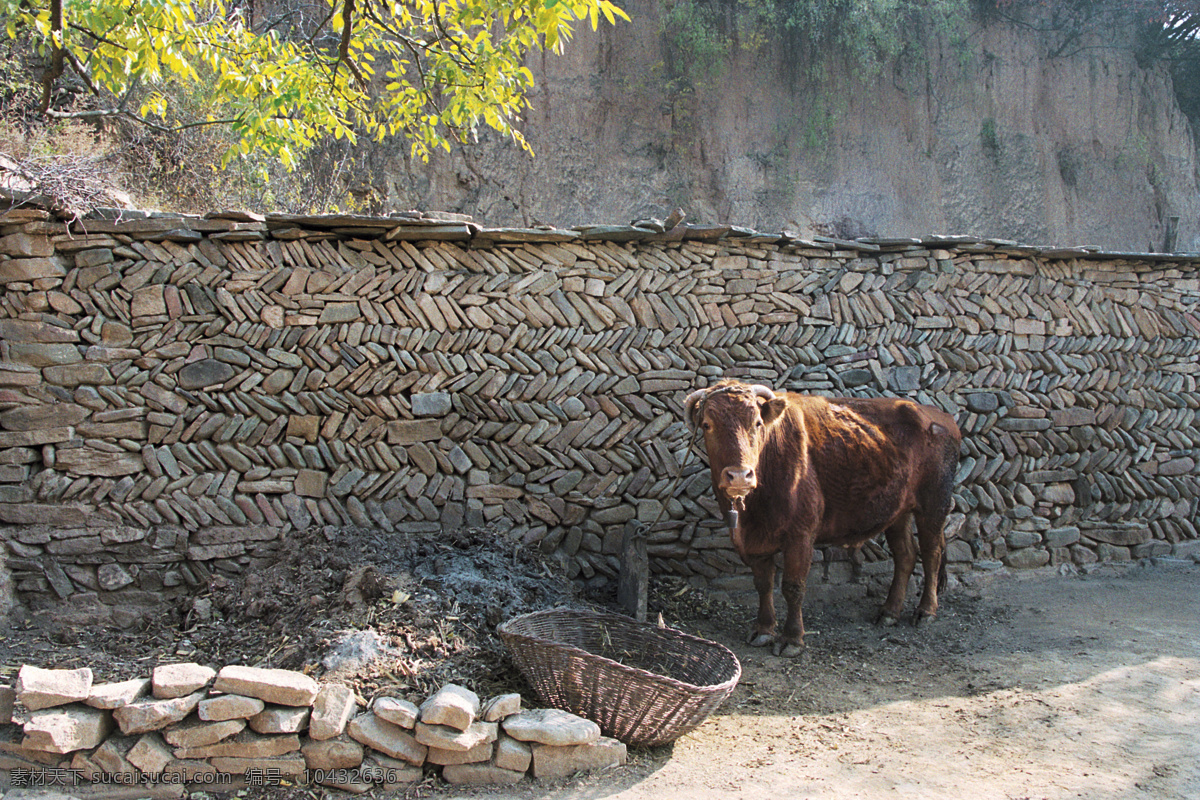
286	719
152	715
198	374
389	739
446	738
151	754
110	756
1121	535
500	706
551	726
229	706
431	404
480	775
333	754
480	752
198	734
550	762
452	705
13	755
115	695
513	754
332	709
244	745
64	730
390	773
79	762
280	686
396	711
176	680
39	688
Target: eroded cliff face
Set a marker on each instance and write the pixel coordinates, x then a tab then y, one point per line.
994	138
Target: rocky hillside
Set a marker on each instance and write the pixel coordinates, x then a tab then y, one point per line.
988	135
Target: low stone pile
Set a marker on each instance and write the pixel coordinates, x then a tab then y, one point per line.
190	725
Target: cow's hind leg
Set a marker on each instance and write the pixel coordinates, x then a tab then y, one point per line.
935	504
763	568
904	560
931	536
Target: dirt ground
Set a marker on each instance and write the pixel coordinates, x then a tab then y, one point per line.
1029	685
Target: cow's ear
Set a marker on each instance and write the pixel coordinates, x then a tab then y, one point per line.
773	409
691	405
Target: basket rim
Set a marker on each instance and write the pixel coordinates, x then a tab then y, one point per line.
505	630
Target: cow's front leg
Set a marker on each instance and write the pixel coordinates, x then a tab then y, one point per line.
797	560
763	568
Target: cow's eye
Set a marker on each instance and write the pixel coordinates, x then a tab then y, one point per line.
759	423
706	426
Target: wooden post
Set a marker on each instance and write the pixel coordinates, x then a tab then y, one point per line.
633	585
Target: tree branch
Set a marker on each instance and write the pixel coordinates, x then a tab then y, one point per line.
317	30
109	113
82	73
409	44
344	47
279	21
454	41
99	38
57	61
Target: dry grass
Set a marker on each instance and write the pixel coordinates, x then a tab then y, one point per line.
69	162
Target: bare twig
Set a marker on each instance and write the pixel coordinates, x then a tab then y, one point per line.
97	37
76	183
320	27
109	113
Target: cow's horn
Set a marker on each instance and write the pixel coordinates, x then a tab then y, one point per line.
690	401
762	391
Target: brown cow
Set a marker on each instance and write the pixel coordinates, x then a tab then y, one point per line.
792	471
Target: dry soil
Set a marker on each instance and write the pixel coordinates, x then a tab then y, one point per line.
1029	685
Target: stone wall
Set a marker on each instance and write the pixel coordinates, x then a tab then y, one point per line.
177	393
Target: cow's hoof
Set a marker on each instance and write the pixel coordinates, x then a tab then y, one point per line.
760	639
923	620
887	620
787	649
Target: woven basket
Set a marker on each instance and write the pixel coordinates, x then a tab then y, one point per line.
642	684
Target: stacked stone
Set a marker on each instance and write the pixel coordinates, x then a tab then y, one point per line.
189	724
179	392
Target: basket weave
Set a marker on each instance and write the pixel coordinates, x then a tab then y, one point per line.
642	684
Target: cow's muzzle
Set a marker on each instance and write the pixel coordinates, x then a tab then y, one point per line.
738	481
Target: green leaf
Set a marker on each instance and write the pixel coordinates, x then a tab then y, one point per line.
452	66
